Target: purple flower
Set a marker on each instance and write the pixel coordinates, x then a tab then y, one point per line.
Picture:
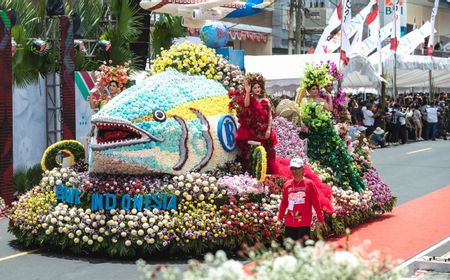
289	143
382	195
241	184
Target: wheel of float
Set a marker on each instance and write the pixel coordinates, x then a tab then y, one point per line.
259	162
72	148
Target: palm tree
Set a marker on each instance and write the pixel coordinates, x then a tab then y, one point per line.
166	28
126	30
28	66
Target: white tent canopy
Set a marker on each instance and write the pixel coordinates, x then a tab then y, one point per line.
282	69
413	71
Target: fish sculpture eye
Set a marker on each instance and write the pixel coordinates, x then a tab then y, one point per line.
159	115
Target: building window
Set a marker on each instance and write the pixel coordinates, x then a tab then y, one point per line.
315	15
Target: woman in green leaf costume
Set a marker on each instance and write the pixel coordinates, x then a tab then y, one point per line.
324	144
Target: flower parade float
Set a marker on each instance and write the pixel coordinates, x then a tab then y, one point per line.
162	176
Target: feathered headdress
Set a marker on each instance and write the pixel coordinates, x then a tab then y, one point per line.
315	75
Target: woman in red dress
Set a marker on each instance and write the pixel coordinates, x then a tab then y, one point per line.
255	119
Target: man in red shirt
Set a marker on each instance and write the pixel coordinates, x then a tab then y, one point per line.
299	196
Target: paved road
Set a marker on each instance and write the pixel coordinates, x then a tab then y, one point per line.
415	169
411	170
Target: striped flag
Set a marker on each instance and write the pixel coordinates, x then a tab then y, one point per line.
345	23
373	22
424	45
433	18
357	39
333	23
395	37
359	19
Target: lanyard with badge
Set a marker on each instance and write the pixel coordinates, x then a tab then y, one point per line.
296	198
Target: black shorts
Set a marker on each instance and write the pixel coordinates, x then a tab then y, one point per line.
297	233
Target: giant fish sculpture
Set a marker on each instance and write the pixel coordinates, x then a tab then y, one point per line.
169	123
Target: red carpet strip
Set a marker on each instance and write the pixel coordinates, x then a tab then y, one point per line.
409	229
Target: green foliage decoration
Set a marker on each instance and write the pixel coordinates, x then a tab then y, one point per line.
326	147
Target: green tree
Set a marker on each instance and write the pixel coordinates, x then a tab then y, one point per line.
125	31
166	28
28	66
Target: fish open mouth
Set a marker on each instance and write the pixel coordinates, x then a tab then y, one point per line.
108	134
113	133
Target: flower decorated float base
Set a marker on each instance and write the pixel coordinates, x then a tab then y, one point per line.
187	214
162	175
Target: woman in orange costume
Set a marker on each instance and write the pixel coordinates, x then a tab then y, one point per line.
255	119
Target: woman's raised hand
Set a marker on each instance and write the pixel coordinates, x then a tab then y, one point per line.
247	86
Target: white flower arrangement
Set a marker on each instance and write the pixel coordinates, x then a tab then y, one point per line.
317	262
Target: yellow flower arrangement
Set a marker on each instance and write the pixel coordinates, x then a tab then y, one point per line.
187	57
259	161
31	209
73	148
198	60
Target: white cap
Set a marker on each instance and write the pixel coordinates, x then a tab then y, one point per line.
296	163
362	128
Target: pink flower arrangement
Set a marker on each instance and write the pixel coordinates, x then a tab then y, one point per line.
382	195
107	73
241	185
289	143
334	71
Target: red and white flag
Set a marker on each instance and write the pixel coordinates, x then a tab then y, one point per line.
333	23
395	37
357	39
334	43
425	40
373	22
346	19
432	20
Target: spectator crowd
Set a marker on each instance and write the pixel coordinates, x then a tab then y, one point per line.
410	117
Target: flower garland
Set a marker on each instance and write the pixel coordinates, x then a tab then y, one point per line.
72	148
199	60
259	162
